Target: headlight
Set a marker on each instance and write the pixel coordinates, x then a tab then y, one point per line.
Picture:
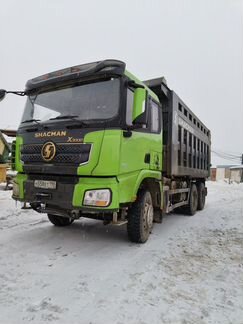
98	198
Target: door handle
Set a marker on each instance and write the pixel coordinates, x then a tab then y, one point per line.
147	158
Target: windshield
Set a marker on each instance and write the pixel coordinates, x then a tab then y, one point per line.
93	101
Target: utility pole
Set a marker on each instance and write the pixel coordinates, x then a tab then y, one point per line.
242	169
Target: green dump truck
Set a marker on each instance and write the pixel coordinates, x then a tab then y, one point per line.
96	142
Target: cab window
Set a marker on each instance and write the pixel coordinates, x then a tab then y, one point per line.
154	117
129	108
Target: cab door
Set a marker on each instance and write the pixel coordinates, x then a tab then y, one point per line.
143	148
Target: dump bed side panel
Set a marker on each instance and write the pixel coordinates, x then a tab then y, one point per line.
187	140
189	143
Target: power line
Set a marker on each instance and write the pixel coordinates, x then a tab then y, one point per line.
227	154
228	158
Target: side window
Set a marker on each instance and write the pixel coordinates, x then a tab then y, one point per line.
155	115
129	107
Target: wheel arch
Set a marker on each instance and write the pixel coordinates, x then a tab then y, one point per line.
151	182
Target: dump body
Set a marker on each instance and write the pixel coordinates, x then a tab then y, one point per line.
186	140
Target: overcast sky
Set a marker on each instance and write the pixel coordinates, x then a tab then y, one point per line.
196	44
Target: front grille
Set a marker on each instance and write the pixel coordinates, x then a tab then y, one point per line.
65	153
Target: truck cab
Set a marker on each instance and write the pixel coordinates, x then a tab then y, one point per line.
89	140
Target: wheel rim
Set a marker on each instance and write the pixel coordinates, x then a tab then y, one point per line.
148	217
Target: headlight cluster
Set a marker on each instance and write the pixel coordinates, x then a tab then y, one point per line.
98	198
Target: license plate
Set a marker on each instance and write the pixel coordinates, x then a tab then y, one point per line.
45	184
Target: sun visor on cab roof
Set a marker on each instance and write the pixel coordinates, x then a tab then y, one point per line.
113	67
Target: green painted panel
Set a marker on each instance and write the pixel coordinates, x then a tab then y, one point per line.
127	183
132	77
96	139
135	148
139	102
96	183
18	163
143	175
109	155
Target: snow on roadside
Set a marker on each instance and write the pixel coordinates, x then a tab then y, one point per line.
190	271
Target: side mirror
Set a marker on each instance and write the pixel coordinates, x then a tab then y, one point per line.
140	114
2	94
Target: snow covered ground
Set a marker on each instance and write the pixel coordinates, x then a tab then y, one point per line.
190	270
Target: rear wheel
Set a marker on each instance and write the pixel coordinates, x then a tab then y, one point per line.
59	220
140	218
191	208
201	196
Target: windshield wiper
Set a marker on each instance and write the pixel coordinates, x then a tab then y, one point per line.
31	120
64	117
78	124
88	123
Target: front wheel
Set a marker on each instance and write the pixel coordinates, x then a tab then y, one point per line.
59	220
140	218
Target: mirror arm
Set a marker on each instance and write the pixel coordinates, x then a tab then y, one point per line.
4	92
18	93
133	127
129	128
135	85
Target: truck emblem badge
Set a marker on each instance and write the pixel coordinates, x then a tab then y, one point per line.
48	151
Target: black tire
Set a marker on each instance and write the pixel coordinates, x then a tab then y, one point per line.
59	220
191	208
158	216
140	218
201	196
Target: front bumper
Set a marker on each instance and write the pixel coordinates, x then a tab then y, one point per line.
69	192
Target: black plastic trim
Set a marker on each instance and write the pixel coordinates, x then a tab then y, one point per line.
106	67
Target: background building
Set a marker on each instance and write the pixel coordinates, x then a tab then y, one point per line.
229	172
236	173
